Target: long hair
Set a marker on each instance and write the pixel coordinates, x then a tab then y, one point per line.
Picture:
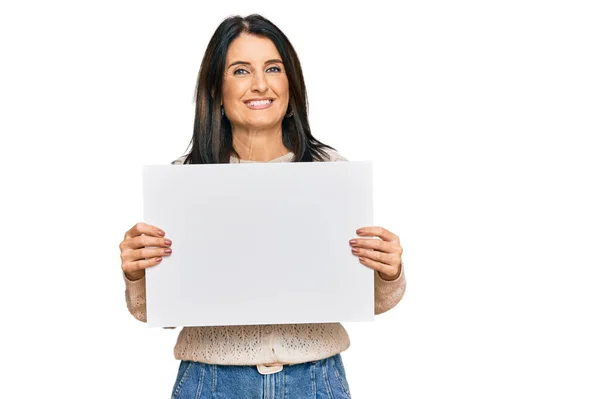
212	141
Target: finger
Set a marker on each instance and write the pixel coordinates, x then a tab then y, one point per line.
130	267
388	259
378	266
147	241
144	253
147	253
132	255
377	244
144	228
376	231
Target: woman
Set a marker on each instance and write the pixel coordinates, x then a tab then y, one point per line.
251	106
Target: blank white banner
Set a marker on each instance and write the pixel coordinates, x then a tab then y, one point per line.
259	243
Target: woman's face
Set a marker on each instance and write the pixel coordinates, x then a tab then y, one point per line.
255	85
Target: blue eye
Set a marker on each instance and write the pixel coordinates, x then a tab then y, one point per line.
242	71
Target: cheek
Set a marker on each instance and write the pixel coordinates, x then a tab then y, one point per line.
284	99
284	88
280	86
232	91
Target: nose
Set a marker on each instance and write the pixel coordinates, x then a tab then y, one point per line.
259	82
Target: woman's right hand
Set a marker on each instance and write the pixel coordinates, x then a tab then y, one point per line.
135	257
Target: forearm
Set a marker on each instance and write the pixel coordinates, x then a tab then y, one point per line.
135	296
388	292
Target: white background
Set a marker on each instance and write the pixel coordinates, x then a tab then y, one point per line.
480	118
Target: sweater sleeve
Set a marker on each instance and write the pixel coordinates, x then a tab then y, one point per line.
387	293
135	296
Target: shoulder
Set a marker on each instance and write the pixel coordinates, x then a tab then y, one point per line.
333	155
179	161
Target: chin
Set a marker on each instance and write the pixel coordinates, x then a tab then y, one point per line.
264	122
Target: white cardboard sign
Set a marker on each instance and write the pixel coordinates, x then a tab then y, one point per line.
259	243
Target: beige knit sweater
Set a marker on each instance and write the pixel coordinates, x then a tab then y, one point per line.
265	344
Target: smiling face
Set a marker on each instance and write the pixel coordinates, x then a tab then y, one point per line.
255	85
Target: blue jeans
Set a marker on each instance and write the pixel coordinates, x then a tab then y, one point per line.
321	379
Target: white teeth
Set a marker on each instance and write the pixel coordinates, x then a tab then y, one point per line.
259	103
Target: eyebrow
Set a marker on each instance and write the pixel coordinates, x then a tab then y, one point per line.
247	63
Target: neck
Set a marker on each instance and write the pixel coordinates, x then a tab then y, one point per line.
261	145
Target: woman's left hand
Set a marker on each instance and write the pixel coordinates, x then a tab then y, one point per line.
383	255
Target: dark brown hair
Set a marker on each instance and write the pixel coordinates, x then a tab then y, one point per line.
212	141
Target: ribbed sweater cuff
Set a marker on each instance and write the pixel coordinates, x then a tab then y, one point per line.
389	286
388	293
135	288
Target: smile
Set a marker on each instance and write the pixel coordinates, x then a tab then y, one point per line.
259	104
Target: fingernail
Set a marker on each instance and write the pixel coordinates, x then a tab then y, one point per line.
355	250
168	242
160	232
361	259
353	241
359	231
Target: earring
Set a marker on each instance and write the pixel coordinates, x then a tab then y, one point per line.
290	114
222	111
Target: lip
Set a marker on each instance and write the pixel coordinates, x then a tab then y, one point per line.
263	106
